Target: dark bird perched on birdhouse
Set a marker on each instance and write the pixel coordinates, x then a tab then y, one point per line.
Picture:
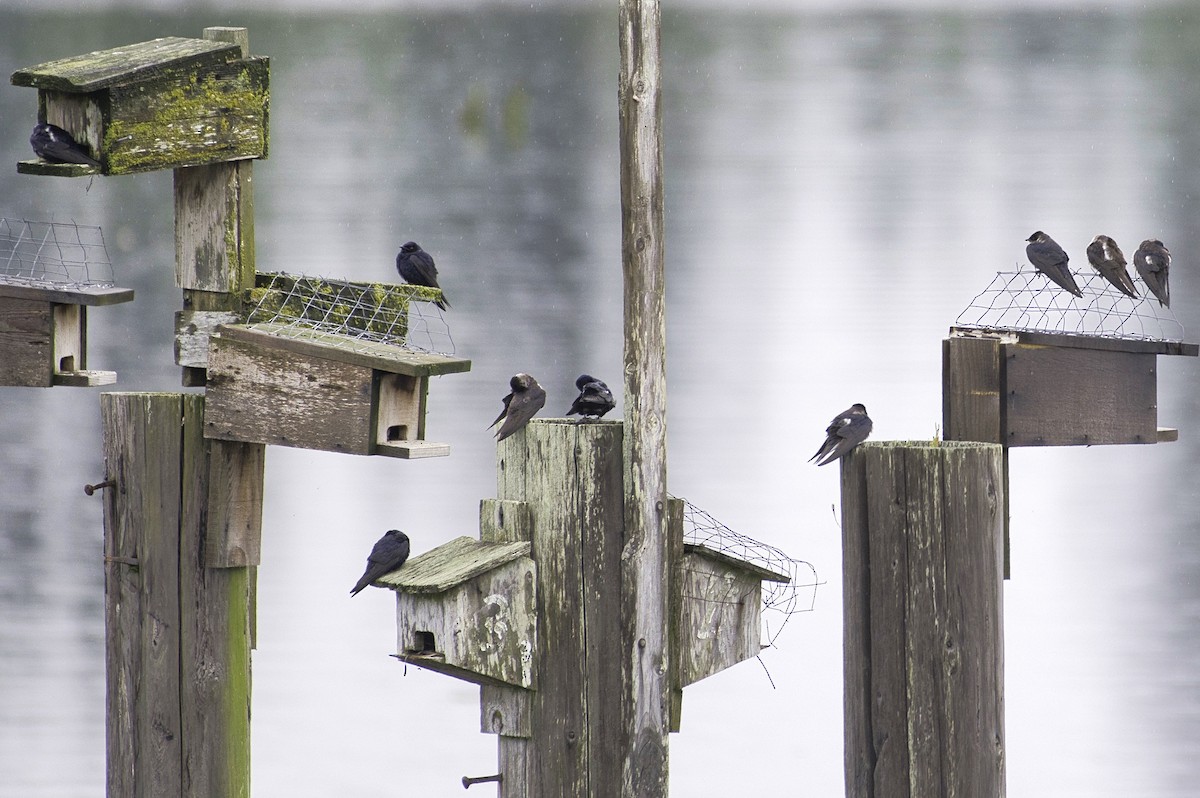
1050	259
522	404
594	398
850	428
52	143
388	554
1106	257
1152	261
416	267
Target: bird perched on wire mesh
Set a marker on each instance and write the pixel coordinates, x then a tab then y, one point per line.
52	143
850	428
526	398
387	555
594	398
1106	257
1152	261
1049	258
416	267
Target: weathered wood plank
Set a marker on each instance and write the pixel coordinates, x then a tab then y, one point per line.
212	251
313	343
923	535
68	296
70	338
87	378
645	571
142	447
193	328
26	342
215	611
972	390
1106	344
132	62
675	627
453	563
328	404
721	618
412	450
233	537
504	521
1065	397
1167	435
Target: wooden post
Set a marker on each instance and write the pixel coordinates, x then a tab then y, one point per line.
178	633
559	739
922	536
645	568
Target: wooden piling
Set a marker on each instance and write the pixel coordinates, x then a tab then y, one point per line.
645	564
922	533
561	483
178	632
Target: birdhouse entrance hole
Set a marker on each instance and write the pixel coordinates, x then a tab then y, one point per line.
423	643
397	432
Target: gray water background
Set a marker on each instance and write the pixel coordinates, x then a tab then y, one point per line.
839	186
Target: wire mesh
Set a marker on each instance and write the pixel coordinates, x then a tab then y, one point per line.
56	254
359	314
780	600
1026	300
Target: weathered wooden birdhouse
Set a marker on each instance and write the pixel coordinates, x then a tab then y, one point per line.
161	104
1021	388
468	609
720	611
321	365
43	334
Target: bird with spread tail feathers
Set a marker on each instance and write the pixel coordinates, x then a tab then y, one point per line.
1049	258
1153	262
595	399
521	404
1106	257
850	428
416	267
52	143
388	554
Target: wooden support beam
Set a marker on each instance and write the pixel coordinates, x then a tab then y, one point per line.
922	537
178	633
561	482
645	565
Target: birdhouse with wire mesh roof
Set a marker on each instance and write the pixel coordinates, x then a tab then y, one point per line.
720	610
325	364
161	104
468	609
50	274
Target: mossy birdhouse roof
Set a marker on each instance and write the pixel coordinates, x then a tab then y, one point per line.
123	65
452	564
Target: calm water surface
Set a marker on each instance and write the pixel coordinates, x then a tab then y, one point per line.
839	187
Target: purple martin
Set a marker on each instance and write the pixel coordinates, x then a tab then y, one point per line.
416	267
1049	259
1152	261
388	554
850	428
522	404
594	398
1106	257
52	143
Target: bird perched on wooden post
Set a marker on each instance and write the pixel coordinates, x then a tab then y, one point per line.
850	428
388	554
1049	258
52	143
521	404
594	400
1153	261
1106	257
416	267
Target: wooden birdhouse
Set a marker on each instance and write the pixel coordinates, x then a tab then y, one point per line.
468	609
162	104
43	334
1021	388
720	611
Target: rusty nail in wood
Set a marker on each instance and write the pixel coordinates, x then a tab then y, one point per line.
90	489
469	780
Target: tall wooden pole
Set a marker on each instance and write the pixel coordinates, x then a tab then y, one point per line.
923	550
644	560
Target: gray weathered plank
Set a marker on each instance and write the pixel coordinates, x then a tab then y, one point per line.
645	573
26	342
193	328
859	747
504	521
142	447
1064	397
1107	344
972	390
93	296
452	563
132	62
212	251
235	498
